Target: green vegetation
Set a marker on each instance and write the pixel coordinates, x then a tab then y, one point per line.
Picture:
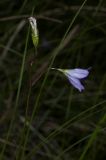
42	116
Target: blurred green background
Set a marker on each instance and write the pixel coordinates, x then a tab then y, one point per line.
41	115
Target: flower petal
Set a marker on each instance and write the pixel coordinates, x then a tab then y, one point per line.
77	73
76	83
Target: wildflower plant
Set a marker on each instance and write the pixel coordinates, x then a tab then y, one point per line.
74	75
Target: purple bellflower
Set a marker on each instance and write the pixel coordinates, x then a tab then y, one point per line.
74	76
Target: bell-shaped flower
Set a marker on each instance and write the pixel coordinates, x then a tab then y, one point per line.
74	76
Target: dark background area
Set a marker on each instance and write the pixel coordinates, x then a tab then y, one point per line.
64	119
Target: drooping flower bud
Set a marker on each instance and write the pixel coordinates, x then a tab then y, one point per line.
35	34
